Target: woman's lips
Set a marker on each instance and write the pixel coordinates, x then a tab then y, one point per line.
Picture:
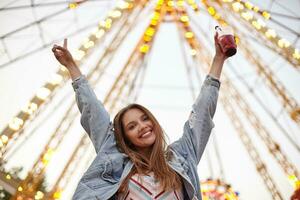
146	134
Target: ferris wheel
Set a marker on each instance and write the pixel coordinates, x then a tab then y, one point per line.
155	53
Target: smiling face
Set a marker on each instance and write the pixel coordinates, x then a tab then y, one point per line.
138	129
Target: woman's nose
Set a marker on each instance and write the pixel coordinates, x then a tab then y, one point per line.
142	126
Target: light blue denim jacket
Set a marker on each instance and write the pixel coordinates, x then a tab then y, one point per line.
103	178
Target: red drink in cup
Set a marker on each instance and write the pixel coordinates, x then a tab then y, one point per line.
226	40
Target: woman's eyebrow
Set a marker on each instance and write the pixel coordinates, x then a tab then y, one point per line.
142	115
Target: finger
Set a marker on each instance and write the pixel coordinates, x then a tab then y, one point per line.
61	54
54	48
66	43
56	54
57	57
216	37
61	48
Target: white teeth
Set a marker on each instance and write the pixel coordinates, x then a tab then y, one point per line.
146	134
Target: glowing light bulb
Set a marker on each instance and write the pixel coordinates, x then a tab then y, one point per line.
283	43
211	10
189	34
193	52
4	139
8	177
180	3
56	79
256	25
150	31
247	15
270	33
255	9
249	5
15	124
39	195
296	54
266	15
184	18
30	108
115	14
47	156
237	6
73	5
170	3
144	48
43	93
123	5
57	195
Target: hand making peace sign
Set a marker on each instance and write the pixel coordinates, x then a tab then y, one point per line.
63	55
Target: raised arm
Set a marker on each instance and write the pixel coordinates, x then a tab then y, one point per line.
94	118
218	61
198	128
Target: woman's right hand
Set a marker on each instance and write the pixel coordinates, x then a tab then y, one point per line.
65	58
63	55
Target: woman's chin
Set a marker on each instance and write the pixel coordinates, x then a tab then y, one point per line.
147	141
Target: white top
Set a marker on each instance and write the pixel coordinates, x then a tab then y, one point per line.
146	187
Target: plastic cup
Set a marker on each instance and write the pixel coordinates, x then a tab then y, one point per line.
226	40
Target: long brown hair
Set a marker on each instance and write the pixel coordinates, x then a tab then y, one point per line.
157	163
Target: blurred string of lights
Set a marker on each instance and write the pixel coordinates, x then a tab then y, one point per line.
8	177
264	13
185	21
216	189
210	189
152	28
141	50
192	4
44	93
290	104
276	86
37	172
146	39
144	50
247	142
96	71
58	188
70	169
292	175
43	164
291	53
286	166
261	167
75	4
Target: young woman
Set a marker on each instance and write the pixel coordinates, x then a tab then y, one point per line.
133	160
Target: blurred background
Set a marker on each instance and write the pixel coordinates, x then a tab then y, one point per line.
156	53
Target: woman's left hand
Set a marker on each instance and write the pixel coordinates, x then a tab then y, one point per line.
219	54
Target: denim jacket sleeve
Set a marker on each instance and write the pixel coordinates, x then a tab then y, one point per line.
94	118
198	128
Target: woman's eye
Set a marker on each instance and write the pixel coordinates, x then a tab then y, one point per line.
131	127
145	118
